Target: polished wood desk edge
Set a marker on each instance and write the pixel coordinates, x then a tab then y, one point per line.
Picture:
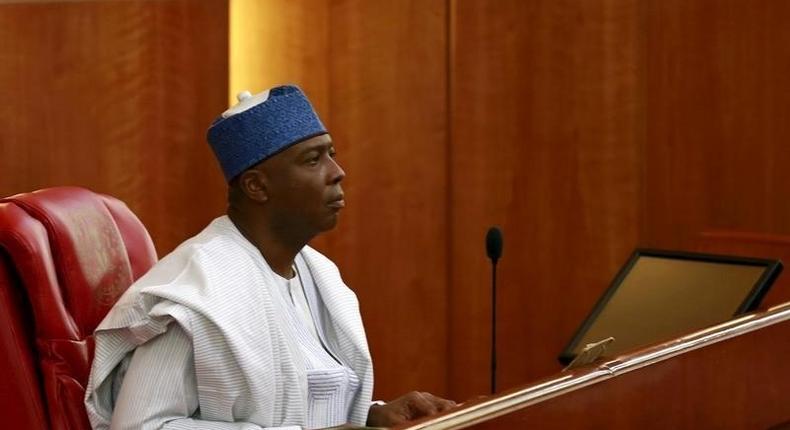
565	382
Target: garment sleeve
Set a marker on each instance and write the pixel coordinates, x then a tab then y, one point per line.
159	390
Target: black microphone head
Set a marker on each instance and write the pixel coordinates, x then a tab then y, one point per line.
494	243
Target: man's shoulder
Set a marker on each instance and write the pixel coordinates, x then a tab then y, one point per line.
313	253
215	247
315	257
218	237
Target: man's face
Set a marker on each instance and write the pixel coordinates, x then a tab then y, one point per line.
303	186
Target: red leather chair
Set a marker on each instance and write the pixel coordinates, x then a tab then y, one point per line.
66	255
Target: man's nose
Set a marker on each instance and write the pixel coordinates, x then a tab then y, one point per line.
338	174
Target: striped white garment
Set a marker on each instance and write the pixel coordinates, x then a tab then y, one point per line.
331	386
253	366
293	292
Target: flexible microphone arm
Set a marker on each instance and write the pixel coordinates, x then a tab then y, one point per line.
494	252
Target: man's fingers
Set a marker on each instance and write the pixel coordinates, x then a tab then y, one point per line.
417	404
421	405
439	403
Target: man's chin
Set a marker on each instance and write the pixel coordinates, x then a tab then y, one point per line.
330	223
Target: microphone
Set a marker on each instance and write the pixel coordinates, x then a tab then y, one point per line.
494	244
494	252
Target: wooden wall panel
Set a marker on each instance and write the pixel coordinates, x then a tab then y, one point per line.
116	97
718	119
547	130
583	128
388	84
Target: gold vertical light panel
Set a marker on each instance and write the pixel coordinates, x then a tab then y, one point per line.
280	42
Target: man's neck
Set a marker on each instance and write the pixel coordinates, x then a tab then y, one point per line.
278	250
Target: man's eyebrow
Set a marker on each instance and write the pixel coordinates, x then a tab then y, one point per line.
325	146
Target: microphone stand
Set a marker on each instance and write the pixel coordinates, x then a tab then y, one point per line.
494	252
493	327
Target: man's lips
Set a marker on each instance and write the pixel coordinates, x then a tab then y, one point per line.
337	203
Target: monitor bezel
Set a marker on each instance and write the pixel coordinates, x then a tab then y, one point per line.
752	300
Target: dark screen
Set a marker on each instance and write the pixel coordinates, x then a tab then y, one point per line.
661	298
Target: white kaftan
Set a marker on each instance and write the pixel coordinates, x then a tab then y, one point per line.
254	362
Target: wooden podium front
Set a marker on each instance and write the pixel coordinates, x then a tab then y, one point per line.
732	376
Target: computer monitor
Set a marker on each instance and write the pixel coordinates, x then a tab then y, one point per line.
659	295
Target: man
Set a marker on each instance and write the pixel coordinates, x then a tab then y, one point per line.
244	326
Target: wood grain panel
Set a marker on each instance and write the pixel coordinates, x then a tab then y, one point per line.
719	102
547	128
116	97
737	384
389	123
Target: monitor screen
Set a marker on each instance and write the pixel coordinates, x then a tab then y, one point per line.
660	295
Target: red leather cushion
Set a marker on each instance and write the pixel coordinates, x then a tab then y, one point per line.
139	246
88	253
76	252
20	392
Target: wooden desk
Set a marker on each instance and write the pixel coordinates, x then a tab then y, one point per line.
735	375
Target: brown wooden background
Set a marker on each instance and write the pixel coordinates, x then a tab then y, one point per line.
116	96
582	127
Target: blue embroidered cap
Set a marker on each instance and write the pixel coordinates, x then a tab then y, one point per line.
260	126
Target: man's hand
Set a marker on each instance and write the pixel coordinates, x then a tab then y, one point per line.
406	408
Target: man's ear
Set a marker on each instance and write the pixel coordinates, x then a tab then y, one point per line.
252	183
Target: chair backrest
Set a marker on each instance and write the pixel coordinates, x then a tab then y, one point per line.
66	255
21	401
750	244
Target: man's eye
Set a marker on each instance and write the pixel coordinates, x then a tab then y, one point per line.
332	153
